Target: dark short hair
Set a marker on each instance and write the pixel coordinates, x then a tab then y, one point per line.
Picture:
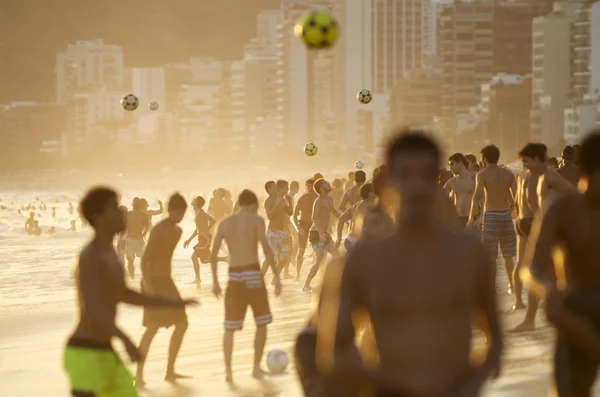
491	154
95	201
294	184
318	175
310	182
553	160
176	202
568	153
199	202
281	184
268	185
589	161
360	176
379	181
366	190
533	150
471	157
459	158
411	141
247	198
351	174
317	185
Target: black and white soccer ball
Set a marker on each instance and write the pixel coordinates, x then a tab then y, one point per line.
153	106
364	96
130	102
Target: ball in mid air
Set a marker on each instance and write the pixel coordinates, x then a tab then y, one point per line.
310	149
277	361
130	102
359	164
317	29
364	96
153	106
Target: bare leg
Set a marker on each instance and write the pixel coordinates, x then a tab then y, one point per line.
196	263
130	268
516	276
144	347
529	323
227	352
260	339
320	255
509	267
299	260
174	346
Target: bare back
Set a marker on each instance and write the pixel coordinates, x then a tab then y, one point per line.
157	258
242	232
497	185
571	173
526	200
550	185
138	224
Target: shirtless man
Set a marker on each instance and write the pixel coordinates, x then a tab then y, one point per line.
217	208
421	287
549	186
93	367
138	224
526	205
355	216
293	232
569	170
278	210
30	223
242	232
321	241
204	223
572	222
352	195
349	183
498	186
473	165
304	209
461	186
157	280
150	213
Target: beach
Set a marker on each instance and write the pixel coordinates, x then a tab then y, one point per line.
38	311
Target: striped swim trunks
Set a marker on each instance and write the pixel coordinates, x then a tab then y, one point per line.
246	288
499	229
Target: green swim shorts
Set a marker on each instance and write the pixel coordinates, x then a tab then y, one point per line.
100	372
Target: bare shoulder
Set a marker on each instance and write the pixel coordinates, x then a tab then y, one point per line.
567	201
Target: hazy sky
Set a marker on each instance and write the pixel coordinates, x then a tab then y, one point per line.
152	32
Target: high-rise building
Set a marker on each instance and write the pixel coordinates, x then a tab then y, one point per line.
86	66
148	84
416	99
551	73
266	26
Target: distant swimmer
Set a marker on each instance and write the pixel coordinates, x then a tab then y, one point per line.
319	237
138	224
243	232
37	230
204	224
497	188
569	170
157	280
30	223
93	367
53	212
73	227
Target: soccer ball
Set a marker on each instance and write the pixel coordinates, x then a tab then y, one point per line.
364	96
130	102
153	106
317	29
310	149
359	164
277	361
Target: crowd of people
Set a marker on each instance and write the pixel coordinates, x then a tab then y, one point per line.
415	274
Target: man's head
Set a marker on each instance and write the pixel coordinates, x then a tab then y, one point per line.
282	188
271	188
176	207
198	202
366	192
221	193
143	204
490	155
553	162
100	208
248	200
351	175
568	154
135	203
360	177
294	188
589	160
337	183
318	175
458	163
413	161
472	160
322	187
533	156
309	185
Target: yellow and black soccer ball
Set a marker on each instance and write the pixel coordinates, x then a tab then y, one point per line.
317	29
310	149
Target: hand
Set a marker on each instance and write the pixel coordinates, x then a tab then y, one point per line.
159	202
132	351
186	243
217	290
277	286
190	302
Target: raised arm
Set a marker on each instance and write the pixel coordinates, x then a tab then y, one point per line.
158	211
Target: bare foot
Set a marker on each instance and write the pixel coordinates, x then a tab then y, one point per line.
258	373
173	377
306	289
229	377
518	306
138	382
526	326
